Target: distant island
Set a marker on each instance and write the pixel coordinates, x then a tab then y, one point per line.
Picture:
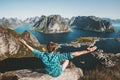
113	21
92	23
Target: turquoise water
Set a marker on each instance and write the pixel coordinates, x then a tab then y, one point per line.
106	45
20	29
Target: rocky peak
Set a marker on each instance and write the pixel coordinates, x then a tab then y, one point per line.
32	20
52	24
10	23
71	20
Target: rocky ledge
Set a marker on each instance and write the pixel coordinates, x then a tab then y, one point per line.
38	74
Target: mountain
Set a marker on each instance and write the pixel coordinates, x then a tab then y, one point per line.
113	21
91	23
10	45
10	23
52	24
31	21
58	24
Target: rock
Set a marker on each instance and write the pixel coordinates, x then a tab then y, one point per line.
117	39
113	21
71	20
38	74
31	21
106	59
52	24
67	19
91	23
31	69
10	45
117	55
8	76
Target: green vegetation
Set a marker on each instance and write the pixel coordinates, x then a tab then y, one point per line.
84	39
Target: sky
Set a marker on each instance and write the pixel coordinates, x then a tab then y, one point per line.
66	8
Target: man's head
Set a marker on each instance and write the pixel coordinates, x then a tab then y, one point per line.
51	47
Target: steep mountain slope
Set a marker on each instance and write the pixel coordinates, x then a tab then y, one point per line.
10	45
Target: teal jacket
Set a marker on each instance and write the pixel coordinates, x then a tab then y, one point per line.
52	61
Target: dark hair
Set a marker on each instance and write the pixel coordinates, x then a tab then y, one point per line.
51	47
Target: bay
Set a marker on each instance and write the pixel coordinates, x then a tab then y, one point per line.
107	45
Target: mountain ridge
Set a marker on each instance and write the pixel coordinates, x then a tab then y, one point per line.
58	24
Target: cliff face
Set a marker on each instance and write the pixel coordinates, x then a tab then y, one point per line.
91	23
31	21
52	24
10	45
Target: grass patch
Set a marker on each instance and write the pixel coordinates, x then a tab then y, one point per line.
112	73
84	39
